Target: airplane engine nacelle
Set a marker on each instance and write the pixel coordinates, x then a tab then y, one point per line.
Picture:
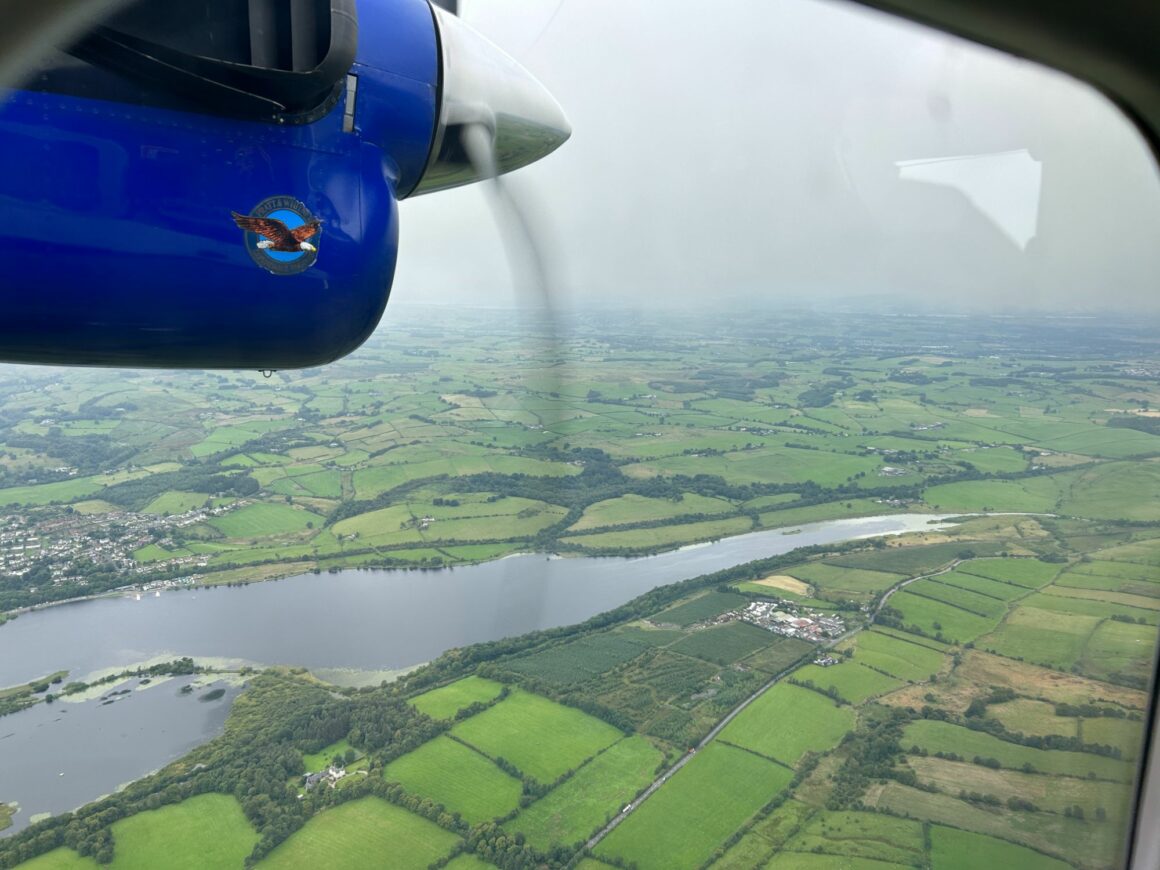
214	184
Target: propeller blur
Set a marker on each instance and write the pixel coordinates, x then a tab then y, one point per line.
214	184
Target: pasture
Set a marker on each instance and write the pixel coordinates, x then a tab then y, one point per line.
446	701
637	508
1042	636
1120	648
998	589
1126	734
952	849
696	810
1029	495
1048	793
808	861
461	779
1022	572
1058	835
844	582
61	858
900	658
972	602
767	835
862	835
540	737
263	519
909	561
1033	717
935	736
599	790
661	537
209	830
939	619
361	834
853	681
787	721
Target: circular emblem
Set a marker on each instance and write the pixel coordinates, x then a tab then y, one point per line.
281	235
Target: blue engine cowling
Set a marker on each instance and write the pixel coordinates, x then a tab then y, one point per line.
116	236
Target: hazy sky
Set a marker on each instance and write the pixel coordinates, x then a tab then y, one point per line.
799	150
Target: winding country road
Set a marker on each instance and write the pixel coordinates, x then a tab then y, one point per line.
691	754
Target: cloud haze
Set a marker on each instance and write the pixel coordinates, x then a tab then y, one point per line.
743	149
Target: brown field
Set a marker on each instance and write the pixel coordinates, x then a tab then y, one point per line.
980	670
817	786
984	669
784	581
951	694
1055	793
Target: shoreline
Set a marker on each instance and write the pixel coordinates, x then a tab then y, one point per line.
133	589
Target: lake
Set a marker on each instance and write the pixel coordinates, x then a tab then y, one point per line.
366	620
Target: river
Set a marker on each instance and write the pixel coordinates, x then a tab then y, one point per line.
365	620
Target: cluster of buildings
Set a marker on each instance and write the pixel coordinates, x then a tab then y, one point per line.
330	776
110	538
788	621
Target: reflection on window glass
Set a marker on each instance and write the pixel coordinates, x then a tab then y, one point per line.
845	424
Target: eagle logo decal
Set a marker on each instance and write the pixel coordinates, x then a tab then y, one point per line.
281	235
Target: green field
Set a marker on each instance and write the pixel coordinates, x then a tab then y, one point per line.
862	835
767	835
936	618
582	659
459	778
952	849
204	831
935	736
1122	733
319	760
844	581
173	502
704	607
365	833
61	859
1023	572
599	790
1034	717
909	561
806	861
635	509
854	681
787	721
696	810
1042	636
446	701
540	737
907	661
972	602
1033	495
724	644
1003	591
260	520
663	536
1120	648
779	655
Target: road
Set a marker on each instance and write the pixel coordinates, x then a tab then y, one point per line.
689	756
